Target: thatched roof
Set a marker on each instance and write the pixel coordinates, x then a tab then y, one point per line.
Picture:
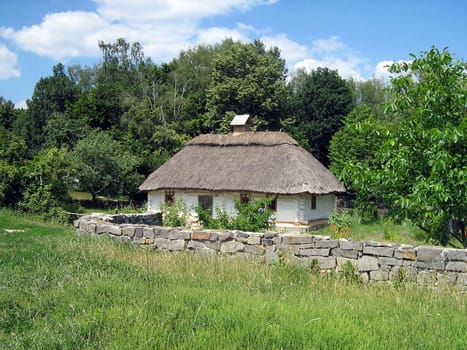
265	162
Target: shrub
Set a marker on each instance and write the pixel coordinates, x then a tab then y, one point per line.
253	216
340	221
174	214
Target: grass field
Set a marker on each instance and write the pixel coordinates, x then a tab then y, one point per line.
62	291
383	230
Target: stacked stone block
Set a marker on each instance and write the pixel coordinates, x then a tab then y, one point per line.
374	261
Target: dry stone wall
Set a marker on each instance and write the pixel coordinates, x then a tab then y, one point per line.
374	261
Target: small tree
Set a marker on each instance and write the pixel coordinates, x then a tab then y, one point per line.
420	170
103	166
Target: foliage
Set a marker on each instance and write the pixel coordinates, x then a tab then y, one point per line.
340	221
254	216
418	170
7	113
350	273
61	290
246	78
319	101
221	219
13	152
400	279
102	165
174	214
371	93
51	94
46	180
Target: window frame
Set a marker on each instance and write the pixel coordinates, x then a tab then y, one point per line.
244	198
314	201
169	197
210	198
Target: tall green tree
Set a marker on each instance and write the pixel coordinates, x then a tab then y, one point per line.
420	170
13	152
246	78
46	183
51	94
319	101
361	137
103	166
7	113
372	93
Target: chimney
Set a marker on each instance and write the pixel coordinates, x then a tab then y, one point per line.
241	123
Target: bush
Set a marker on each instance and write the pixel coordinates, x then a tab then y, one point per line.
254	216
174	214
340	221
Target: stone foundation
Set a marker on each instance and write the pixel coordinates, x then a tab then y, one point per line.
374	261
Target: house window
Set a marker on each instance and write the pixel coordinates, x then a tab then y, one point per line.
205	202
273	204
244	199
313	202
169	197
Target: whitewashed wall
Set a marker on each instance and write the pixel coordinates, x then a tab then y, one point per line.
324	206
289	208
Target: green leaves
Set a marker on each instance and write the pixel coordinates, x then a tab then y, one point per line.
103	166
246	78
418	170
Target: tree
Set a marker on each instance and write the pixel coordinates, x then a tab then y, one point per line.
319	101
362	135
46	184
103	166
420	170
51	94
7	113
372	93
246	78
12	159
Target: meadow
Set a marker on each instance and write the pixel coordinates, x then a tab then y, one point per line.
59	290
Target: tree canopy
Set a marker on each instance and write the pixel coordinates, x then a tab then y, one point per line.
419	170
319	102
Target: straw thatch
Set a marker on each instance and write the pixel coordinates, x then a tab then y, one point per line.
265	162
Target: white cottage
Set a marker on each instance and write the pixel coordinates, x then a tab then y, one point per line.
214	170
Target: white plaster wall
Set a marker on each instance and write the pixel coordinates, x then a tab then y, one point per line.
287	209
324	206
155	198
225	201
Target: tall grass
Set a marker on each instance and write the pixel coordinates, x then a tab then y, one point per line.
59	290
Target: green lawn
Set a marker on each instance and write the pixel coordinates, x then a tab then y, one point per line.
62	291
383	230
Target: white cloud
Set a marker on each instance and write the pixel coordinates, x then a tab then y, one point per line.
168	10
21	104
163	27
328	45
382	69
8	63
64	34
333	53
217	34
291	51
347	68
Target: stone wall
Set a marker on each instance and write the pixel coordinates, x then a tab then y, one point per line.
374	261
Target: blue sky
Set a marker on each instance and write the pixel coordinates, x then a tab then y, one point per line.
356	37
